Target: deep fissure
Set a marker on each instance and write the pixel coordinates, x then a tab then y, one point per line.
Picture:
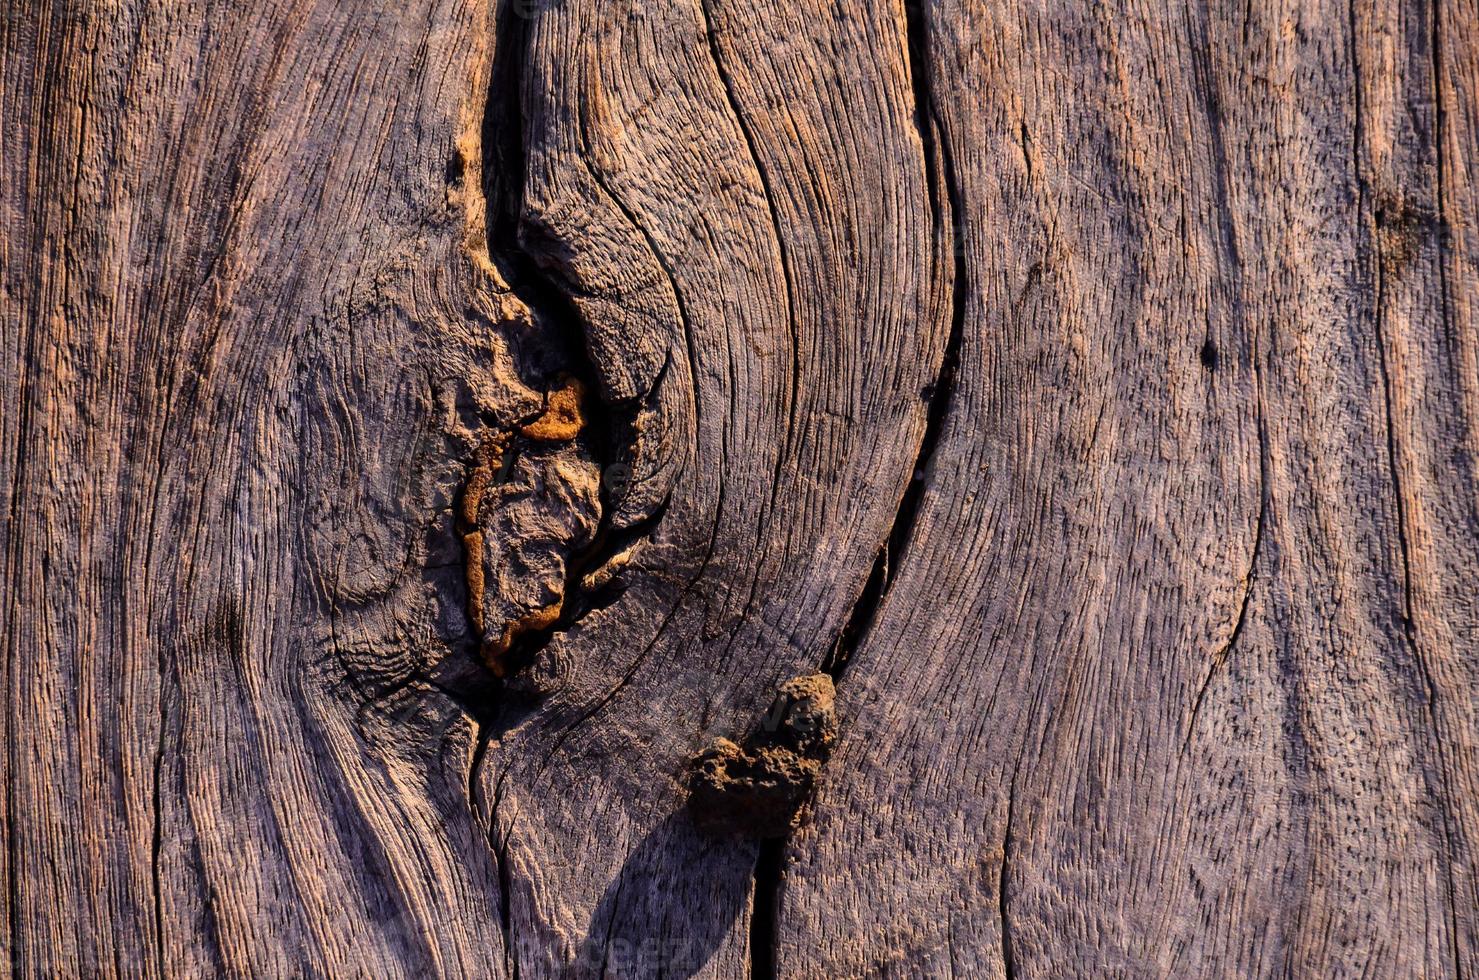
1219	659
1004	922
947	226
503	152
765	907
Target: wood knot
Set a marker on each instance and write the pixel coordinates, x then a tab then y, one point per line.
761	788
530	507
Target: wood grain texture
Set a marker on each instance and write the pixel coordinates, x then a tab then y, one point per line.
234	280
1168	704
427	426
683	188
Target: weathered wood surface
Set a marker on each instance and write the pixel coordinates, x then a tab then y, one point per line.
1091	388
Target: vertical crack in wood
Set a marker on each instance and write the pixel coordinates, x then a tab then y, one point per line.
767	874
551	304
863	612
156	843
765	907
503	173
21	477
941	166
760	789
1371	245
504	159
505	891
1232	257
1220	658
1004	923
502	149
498	841
948	225
621	887
1440	191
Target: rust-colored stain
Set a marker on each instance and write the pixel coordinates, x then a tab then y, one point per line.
562	419
494	650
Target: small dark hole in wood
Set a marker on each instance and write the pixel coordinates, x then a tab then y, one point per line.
1208	356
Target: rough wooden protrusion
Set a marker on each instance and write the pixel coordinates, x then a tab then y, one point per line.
761	789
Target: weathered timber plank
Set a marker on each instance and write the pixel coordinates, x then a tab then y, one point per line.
738	223
1176	676
426	426
234	274
264	324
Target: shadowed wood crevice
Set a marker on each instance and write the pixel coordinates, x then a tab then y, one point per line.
730	584
1003	882
769	873
1273	391
553	310
946	230
943	247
